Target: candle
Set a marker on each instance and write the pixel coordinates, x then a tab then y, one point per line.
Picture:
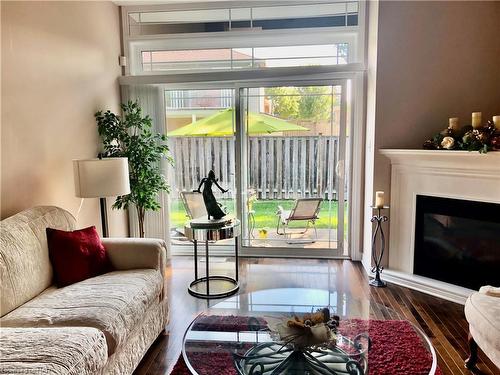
379	199
496	121
453	124
476	120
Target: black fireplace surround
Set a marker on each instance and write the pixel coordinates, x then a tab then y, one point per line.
457	241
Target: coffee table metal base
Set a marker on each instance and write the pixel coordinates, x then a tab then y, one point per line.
198	287
272	357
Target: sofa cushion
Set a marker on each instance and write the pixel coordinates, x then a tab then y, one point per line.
483	314
25	268
113	303
76	255
69	351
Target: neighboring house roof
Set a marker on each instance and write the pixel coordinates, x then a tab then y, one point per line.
194	55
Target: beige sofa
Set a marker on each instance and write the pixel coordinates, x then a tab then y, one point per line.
482	310
102	325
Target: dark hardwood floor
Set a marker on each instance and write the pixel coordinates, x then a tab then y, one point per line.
443	322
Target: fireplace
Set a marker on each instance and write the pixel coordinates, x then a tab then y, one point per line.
457	241
473	179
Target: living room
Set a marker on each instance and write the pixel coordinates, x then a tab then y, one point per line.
346	154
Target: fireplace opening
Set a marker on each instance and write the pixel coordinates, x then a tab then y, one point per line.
457	241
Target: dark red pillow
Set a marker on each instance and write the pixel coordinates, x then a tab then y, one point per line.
76	255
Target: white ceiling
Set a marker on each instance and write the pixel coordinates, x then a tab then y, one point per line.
246	2
160	2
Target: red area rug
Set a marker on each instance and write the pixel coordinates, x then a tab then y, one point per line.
396	347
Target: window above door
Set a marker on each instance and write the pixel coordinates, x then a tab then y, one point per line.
265	16
241	58
218	37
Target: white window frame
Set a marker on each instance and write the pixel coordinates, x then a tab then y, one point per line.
134	45
356	173
236	39
354	70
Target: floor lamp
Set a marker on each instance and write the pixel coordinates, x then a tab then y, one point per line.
101	178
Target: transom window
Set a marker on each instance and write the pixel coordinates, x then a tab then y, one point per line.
269	17
240	58
163	40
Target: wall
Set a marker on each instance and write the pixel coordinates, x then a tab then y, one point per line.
371	104
435	60
59	65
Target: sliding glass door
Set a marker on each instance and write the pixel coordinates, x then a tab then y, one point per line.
200	128
281	150
294	190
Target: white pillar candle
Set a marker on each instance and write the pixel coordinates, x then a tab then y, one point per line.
476	120
379	199
453	123
496	121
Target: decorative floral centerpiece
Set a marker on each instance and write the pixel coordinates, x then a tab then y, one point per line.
306	344
318	328
475	137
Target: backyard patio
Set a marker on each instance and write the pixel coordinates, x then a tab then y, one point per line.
263	231
291	153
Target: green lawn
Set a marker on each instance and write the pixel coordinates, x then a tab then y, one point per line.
265	213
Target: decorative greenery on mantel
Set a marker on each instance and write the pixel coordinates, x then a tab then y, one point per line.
415	153
130	136
475	137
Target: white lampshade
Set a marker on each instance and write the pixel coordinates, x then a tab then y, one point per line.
99	178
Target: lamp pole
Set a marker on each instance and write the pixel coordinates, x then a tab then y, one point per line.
104	210
104	217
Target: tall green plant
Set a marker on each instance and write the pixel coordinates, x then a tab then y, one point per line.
130	136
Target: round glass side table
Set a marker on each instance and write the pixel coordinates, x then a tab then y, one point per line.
213	286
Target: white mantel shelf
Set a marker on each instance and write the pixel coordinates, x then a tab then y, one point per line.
466	160
449	174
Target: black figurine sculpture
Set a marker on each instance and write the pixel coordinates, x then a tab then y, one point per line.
213	207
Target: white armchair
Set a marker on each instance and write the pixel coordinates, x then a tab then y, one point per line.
482	311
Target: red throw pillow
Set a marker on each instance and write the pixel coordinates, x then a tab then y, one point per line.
76	255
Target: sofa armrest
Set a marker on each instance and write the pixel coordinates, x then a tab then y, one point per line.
133	253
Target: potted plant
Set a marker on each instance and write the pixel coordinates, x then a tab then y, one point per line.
130	136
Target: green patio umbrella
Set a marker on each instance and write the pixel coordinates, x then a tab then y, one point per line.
221	123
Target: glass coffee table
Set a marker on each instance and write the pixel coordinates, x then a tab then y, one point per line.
234	337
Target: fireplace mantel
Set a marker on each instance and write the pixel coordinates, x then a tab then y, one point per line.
440	159
450	174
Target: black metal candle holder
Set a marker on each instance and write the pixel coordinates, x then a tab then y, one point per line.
377	255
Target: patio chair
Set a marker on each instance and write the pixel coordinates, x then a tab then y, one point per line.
194	204
305	209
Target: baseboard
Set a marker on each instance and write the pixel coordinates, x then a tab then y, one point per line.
426	285
226	254
228	251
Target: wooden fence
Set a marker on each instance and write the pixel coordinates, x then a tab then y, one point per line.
280	167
